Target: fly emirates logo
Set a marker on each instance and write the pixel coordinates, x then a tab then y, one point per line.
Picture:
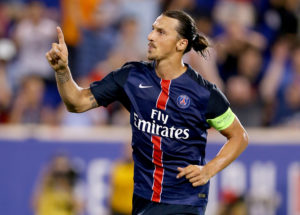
160	130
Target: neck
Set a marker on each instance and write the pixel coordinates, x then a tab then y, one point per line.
169	69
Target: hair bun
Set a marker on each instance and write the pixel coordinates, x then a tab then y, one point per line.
196	38
200	43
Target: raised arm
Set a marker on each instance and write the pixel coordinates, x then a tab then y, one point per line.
76	99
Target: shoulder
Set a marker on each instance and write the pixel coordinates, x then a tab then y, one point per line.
137	65
130	67
217	101
199	79
120	75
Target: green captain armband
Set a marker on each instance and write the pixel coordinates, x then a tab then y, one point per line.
223	121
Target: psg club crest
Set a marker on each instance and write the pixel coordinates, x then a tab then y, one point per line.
183	101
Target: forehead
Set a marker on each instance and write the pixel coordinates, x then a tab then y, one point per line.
166	23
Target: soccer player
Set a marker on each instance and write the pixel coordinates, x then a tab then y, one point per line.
171	108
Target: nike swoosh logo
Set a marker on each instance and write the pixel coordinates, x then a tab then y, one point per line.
142	86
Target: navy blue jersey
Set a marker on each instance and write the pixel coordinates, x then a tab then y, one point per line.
169	120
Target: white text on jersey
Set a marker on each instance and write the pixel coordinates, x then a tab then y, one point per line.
156	129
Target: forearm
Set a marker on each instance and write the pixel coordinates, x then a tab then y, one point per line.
237	141
75	98
69	91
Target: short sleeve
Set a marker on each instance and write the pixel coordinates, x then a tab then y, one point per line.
110	88
219	114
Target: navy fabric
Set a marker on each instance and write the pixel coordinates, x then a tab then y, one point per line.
182	126
141	206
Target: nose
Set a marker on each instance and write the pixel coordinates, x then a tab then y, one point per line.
150	36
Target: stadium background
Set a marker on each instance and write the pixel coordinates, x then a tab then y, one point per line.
255	60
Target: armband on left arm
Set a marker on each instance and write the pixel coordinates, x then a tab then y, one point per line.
223	121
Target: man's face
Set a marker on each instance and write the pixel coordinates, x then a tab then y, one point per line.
162	38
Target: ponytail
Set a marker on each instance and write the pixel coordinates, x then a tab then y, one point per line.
187	29
199	44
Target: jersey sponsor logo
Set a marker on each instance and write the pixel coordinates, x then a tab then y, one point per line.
144	86
161	129
183	101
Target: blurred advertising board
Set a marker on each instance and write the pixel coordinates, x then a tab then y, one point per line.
267	173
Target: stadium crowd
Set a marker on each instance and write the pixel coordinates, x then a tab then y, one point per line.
254	55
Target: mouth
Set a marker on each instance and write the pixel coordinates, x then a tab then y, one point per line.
151	46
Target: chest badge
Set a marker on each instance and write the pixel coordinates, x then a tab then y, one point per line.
183	101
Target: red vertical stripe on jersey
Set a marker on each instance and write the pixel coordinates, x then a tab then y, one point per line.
156	140
164	94
159	171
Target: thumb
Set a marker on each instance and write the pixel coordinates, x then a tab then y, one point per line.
60	35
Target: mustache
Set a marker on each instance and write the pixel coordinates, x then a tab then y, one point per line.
151	45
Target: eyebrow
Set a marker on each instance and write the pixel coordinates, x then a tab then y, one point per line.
161	29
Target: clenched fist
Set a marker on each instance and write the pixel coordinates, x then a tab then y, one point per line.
58	55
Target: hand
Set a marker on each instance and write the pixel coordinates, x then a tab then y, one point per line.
58	55
197	175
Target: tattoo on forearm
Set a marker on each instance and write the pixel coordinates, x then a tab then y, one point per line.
63	77
93	101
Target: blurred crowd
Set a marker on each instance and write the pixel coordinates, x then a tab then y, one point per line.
254	57
58	190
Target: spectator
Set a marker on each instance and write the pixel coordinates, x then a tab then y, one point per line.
145	12
278	19
34	35
71	21
98	36
273	75
232	204
283	77
55	192
28	105
4	20
206	66
188	5
7	52
127	43
231	43
98	45
5	96
242	11
242	88
122	184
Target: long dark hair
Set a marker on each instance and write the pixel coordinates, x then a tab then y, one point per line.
187	29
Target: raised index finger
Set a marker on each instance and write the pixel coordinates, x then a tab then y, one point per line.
60	35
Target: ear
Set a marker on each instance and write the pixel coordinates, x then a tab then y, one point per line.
181	44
